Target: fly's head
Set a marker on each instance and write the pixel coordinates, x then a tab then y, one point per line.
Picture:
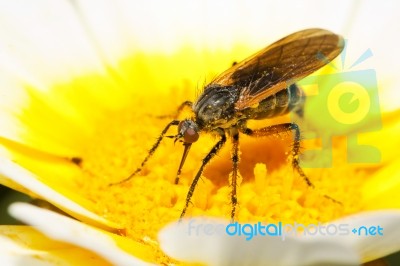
188	132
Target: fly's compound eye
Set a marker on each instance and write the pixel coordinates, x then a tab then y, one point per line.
188	130
190	135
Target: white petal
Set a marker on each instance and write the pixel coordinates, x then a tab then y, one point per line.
374	246
29	181
205	240
372	26
166	26
62	33
64	229
93	32
13	254
43	40
23	245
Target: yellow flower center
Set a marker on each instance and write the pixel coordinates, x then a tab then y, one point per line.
269	189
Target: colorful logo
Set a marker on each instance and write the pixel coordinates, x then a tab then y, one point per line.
345	104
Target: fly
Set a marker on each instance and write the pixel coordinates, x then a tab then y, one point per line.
259	87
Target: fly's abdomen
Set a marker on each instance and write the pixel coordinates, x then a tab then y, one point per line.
297	98
278	104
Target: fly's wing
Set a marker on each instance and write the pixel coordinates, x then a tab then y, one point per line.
281	64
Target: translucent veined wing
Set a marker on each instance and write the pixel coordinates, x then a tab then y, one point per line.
281	64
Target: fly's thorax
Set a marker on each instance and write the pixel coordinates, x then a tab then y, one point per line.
215	107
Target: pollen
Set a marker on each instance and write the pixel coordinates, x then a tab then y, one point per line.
269	189
121	135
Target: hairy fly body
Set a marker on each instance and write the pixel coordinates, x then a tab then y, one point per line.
259	87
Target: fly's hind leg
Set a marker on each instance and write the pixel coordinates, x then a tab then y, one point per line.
276	129
286	127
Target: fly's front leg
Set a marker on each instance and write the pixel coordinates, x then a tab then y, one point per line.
206	160
151	152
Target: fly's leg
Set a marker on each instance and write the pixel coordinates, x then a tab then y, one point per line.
276	129
151	152
181	107
206	160
174	122
235	161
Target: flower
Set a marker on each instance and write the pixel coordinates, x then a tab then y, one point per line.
87	97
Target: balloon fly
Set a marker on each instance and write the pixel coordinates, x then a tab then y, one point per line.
259	87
